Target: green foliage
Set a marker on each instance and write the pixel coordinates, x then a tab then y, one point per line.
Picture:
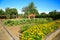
54	14
9	22
30	9
24	28
21	15
43	15
11	12
2	14
38	32
26	21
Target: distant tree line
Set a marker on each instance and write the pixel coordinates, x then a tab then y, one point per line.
53	14
8	13
12	13
30	9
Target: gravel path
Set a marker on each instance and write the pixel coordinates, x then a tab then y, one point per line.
3	34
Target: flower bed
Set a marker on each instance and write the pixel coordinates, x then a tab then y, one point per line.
38	32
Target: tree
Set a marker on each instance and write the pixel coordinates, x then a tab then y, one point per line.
24	9
43	15
53	14
57	15
7	11
2	14
30	9
11	12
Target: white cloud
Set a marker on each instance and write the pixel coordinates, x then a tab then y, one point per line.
3	9
20	12
58	10
0	8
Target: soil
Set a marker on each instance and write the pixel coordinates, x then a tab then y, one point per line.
14	30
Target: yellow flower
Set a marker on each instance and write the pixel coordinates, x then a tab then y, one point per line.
29	38
40	33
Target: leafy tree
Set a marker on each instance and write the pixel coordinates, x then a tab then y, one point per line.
11	12
30	9
2	14
57	15
7	11
24	9
43	15
52	14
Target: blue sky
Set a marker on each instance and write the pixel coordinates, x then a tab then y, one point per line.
42	5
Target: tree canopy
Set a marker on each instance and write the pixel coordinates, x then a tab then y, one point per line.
1	12
54	14
9	13
30	9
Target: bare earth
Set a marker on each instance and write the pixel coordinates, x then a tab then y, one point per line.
14	30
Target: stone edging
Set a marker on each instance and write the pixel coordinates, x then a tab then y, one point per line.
52	35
